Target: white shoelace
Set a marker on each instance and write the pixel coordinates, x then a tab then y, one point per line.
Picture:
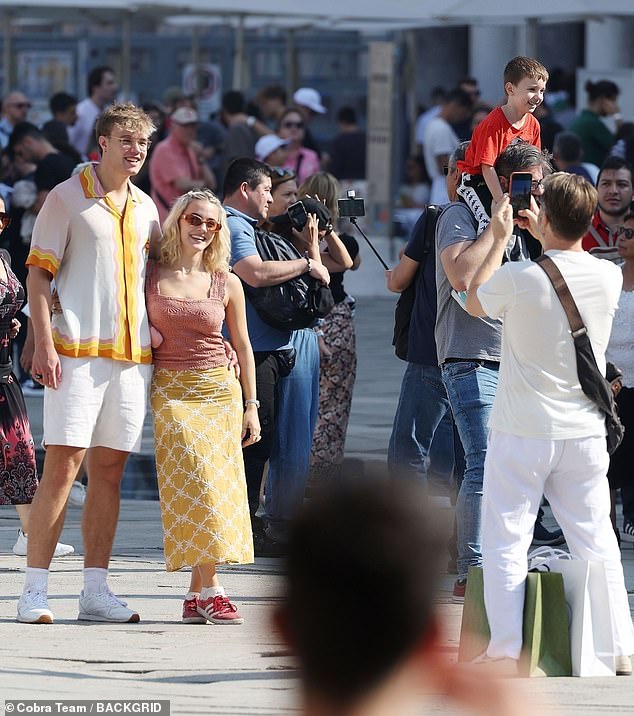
113	599
37	598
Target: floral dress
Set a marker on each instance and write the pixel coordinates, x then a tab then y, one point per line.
18	473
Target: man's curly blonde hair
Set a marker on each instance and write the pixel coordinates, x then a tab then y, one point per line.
127	116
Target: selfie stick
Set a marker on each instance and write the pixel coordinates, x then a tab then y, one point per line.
353	220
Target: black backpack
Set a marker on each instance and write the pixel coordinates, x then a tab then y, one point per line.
424	230
294	304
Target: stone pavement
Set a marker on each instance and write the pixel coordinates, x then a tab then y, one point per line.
213	669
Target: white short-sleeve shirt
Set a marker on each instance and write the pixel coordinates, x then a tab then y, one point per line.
539	394
97	256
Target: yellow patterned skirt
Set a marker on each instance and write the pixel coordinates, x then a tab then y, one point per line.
202	487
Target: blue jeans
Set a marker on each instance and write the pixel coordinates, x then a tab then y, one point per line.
297	407
471	389
422	440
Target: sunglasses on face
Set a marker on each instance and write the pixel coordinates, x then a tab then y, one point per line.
21	105
196	221
5	220
624	231
291	125
280	172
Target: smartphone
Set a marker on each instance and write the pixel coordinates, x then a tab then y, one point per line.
520	191
298	216
351	207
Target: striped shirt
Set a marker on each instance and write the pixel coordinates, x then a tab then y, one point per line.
97	256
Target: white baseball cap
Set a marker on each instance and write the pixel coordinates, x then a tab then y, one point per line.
309	97
184	115
267	145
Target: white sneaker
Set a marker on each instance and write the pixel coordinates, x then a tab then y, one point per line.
623	665
20	547
33	608
77	495
104	607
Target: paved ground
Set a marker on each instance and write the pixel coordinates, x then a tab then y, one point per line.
208	669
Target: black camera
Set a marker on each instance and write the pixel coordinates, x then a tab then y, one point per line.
351	207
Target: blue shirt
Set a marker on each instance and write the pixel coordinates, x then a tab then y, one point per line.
263	337
6	129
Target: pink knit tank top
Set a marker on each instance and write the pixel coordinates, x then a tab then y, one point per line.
190	326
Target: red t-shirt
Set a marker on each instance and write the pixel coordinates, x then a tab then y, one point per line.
492	136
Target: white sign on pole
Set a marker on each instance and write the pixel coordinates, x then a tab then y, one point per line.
205	82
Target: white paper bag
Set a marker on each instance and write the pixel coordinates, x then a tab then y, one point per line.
591	636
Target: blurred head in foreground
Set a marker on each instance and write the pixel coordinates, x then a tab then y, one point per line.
364	568
362	576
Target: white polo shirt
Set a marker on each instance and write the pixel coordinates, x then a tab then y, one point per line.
97	256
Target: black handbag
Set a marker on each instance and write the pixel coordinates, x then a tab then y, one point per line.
6	369
594	384
294	304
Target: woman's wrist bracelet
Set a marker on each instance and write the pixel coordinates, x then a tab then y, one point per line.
252	401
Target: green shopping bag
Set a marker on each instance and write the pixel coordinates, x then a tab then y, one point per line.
545	635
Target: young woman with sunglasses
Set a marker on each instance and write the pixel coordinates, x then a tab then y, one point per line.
300	159
620	352
202	418
18	471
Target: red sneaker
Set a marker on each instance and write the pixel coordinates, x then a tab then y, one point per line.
219	610
459	588
190	614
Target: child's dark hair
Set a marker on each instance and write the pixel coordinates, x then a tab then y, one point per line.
375	548
520	67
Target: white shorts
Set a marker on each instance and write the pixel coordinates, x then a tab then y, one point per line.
98	402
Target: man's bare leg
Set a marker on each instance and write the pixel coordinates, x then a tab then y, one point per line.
45	525
101	510
48	509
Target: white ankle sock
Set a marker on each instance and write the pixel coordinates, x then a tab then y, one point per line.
191	595
207	592
36	580
95	580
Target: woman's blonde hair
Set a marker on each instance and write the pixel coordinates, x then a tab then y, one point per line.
326	187
216	255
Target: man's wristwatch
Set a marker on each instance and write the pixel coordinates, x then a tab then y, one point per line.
309	266
250	121
253	401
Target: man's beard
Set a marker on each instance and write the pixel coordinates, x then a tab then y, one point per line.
614	211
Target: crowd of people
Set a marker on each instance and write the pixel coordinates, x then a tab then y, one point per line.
227	390
482	348
244	407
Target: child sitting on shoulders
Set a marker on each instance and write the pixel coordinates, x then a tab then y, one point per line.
524	85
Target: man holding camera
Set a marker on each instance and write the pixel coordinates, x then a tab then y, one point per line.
469	348
547	437
247	196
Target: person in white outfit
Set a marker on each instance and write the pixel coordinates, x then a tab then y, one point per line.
546	436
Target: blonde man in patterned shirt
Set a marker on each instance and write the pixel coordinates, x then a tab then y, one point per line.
94	357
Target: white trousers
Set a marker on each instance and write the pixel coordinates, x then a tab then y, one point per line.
572	476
